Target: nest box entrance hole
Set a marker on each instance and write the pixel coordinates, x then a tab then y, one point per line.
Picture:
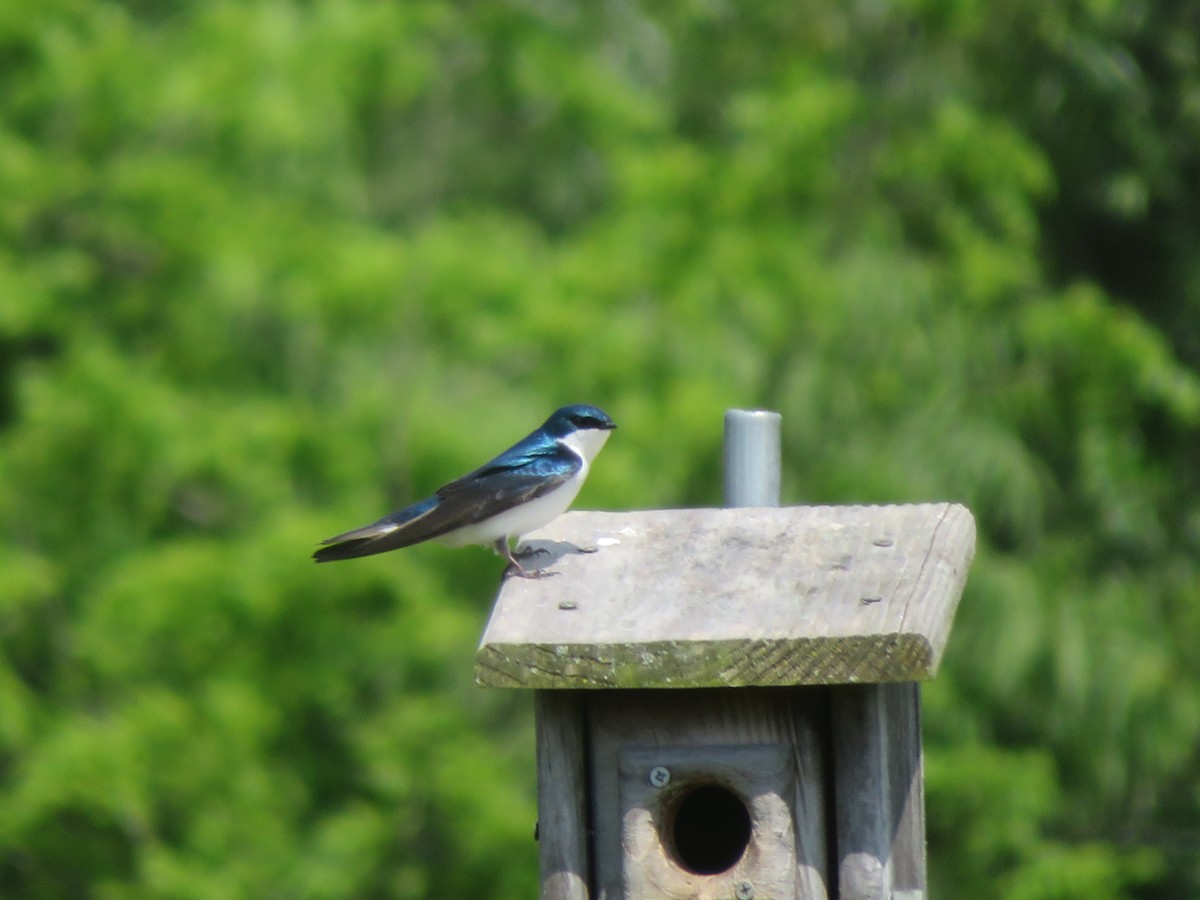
706	828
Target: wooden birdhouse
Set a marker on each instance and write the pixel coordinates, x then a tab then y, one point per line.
727	700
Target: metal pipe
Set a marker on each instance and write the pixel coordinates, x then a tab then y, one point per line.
752	457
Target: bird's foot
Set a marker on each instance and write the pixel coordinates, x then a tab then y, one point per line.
525	552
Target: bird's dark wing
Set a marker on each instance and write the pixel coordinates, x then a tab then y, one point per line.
388	533
522	473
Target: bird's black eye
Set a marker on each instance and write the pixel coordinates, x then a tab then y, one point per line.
581	419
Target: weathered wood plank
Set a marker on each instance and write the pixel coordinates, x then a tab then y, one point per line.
562	796
878	791
906	775
733	597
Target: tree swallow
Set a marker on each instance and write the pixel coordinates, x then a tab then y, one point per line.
526	486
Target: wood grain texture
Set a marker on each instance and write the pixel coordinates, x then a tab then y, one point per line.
878	791
562	796
626	727
760	775
733	597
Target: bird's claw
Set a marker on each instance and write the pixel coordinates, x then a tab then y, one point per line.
527	551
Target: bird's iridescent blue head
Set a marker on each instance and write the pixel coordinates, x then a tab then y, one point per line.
578	417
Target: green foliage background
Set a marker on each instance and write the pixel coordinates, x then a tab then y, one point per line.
268	268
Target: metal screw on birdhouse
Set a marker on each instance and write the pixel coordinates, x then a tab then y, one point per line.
660	776
744	891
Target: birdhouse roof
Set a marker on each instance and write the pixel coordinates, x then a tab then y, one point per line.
732	598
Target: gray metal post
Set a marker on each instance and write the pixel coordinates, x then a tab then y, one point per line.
752	457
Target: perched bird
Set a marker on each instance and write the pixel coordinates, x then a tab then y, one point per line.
526	486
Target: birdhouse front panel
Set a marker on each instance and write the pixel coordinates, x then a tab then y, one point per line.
709	795
707	822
